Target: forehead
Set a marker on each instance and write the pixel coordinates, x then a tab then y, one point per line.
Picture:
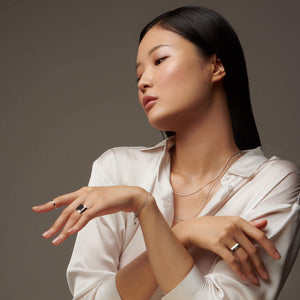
158	35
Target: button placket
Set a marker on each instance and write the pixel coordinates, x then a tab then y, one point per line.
226	179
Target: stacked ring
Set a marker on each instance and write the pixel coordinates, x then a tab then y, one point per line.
81	208
234	248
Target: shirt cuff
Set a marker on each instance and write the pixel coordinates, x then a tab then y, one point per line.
188	287
108	290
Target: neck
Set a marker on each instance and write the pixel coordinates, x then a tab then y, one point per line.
203	148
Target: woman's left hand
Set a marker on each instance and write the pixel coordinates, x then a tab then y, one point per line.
219	233
98	200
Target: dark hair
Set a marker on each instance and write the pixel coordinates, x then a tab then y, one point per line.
212	34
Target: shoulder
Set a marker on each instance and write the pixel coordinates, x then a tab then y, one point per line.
263	175
254	163
272	188
277	168
125	155
281	177
124	163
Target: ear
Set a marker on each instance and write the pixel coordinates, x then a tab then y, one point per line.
218	69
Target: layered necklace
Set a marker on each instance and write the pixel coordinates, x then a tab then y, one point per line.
210	190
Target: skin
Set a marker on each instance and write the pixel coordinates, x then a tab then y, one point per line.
190	101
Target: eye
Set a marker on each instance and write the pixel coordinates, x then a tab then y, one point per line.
158	61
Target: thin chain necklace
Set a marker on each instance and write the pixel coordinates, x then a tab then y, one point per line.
198	211
210	190
201	187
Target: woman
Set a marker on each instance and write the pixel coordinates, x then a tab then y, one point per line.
198	215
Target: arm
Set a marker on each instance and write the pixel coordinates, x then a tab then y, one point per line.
170	261
89	277
168	272
280	207
137	281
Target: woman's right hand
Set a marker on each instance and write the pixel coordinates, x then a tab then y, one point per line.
219	233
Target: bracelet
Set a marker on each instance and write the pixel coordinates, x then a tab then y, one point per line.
139	211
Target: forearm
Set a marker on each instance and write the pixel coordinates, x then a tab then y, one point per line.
136	280
170	261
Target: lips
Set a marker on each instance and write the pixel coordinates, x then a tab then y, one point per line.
147	99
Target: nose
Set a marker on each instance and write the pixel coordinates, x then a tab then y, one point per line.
145	82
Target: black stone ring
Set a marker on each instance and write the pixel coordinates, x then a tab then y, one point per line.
81	208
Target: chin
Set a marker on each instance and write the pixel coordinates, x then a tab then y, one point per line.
163	123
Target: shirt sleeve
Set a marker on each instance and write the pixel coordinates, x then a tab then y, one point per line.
94	262
280	206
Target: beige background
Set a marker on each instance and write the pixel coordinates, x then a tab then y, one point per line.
68	93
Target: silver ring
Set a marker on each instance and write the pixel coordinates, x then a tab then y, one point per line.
81	208
234	248
54	204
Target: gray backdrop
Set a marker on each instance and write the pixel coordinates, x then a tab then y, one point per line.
68	93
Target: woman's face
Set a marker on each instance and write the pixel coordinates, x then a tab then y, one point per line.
170	69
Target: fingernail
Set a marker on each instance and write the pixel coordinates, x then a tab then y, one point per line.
277	255
47	233
56	240
255	280
265	275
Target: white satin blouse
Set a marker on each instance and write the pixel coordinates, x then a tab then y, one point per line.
254	187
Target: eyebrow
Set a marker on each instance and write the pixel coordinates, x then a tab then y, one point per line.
152	50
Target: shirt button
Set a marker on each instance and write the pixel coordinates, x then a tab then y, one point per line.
230	188
226	178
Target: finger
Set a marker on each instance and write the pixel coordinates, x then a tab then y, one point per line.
233	263
44	207
84	219
259	223
261	238
51	205
65	233
244	260
62	200
251	254
63	218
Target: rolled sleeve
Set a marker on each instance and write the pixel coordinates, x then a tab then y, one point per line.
108	290
189	287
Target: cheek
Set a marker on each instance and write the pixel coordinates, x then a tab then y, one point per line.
184	81
140	96
173	74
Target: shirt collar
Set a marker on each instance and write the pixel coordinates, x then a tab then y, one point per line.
167	143
245	166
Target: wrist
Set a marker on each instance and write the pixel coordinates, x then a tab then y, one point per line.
141	203
140	198
181	231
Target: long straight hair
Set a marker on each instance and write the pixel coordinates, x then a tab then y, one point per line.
212	34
